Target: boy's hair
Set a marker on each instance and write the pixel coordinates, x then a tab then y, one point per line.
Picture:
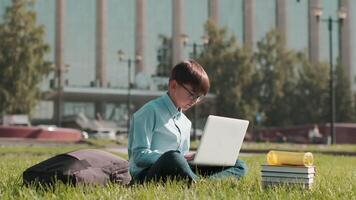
191	73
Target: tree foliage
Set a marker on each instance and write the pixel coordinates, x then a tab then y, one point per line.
344	111
311	97
230	69
279	84
275	78
22	59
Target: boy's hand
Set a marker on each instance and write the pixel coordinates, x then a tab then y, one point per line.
189	156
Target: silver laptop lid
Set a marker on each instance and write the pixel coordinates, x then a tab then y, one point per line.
221	142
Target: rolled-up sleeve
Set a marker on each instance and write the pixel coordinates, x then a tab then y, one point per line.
141	132
186	144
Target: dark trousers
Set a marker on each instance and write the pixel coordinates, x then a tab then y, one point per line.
172	165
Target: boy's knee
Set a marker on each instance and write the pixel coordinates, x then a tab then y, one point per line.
172	156
242	166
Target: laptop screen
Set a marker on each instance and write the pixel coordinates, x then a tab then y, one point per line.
221	141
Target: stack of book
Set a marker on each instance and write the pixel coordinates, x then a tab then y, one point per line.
291	168
287	174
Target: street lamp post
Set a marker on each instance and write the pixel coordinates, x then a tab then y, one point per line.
129	61
341	16
194	45
60	85
59	96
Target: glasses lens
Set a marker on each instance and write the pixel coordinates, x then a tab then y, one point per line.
192	96
199	98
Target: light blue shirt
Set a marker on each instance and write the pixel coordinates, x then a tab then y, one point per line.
156	128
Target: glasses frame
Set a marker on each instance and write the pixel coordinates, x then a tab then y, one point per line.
192	96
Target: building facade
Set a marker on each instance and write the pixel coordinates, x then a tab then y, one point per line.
85	36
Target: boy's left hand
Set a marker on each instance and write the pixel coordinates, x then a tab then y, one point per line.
189	156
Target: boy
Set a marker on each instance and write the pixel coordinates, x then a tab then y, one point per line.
159	135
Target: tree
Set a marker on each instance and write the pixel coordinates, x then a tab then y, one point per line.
22	59
278	84
344	111
230	69
275	79
311	98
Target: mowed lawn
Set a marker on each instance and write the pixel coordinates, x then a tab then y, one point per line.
335	179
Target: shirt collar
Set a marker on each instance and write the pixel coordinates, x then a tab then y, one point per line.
173	110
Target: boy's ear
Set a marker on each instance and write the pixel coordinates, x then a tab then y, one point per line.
172	84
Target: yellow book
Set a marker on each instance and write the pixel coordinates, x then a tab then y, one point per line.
289	158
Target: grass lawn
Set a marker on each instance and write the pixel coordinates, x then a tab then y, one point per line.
335	179
300	147
266	146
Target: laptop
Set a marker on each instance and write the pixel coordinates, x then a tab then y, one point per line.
221	142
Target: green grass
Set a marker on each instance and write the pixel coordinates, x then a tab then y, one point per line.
293	147
335	179
300	147
122	140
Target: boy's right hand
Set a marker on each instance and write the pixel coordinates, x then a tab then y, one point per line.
189	156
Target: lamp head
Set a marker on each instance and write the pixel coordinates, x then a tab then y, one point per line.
341	14
121	55
205	39
66	67
138	58
185	38
317	12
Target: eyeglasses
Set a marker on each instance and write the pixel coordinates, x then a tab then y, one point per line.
192	96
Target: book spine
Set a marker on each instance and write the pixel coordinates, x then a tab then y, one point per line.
287	169
288	180
287	174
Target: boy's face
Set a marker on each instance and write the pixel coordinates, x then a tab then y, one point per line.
183	95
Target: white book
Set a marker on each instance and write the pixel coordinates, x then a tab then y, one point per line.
288	168
286	174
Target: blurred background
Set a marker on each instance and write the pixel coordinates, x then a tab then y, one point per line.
288	66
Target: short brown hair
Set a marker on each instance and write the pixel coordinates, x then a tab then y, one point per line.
192	73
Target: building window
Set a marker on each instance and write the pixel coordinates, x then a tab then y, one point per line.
231	17
297	25
264	18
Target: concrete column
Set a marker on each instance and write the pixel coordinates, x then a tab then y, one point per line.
248	22
177	31
314	34
140	34
100	52
345	40
59	34
101	34
59	61
281	18
213	11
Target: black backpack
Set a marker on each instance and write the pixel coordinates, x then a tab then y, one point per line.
87	166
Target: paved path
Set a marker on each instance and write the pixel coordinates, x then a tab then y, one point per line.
124	151
120	149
